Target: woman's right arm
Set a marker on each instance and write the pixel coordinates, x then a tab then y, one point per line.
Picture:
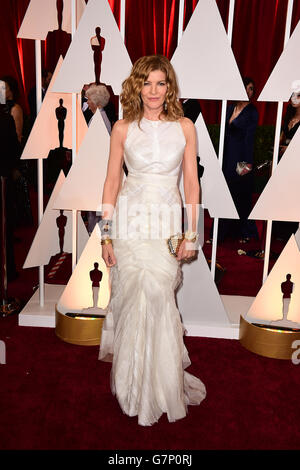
113	181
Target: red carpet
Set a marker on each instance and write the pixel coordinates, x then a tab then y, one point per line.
57	396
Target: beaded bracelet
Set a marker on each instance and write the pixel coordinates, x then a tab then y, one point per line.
105	226
191	236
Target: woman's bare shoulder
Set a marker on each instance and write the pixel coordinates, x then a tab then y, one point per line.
121	125
120	129
16	109
186	122
187	126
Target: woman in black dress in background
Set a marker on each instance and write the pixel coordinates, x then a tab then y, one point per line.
21	202
291	122
12	107
241	124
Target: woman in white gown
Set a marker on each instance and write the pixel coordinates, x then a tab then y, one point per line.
142	334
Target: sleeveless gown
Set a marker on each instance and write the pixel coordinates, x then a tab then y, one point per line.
142	333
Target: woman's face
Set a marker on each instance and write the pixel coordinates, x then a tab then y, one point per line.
91	104
154	90
295	100
250	90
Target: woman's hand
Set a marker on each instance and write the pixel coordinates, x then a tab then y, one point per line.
246	170
185	252
108	255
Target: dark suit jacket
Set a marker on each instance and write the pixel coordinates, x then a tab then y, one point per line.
191	109
110	112
32	102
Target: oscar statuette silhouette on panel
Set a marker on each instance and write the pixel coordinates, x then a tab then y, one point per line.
287	289
59	265
59	158
61	114
61	222
60	7
58	40
97	45
96	278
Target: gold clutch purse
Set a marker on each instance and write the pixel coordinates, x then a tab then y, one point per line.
174	243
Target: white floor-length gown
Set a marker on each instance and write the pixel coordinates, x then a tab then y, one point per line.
142	333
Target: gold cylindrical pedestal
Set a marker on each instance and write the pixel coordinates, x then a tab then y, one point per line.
82	331
267	341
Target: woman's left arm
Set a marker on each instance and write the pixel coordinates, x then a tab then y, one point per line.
192	188
250	130
17	114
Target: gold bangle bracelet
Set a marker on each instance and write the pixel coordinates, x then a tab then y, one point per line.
106	241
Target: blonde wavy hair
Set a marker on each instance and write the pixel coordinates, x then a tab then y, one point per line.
130	97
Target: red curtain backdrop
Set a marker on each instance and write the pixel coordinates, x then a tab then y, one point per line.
17	56
257	50
151	27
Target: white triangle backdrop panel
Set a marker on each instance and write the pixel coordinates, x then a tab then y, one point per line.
198	298
204	61
267	305
78	292
83	187
280	197
41	17
78	66
44	134
285	72
216	196
46	240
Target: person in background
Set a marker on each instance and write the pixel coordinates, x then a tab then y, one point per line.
12	107
21	202
46	79
191	108
241	124
97	97
9	152
291	123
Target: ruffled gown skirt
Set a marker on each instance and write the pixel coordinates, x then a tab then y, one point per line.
143	334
